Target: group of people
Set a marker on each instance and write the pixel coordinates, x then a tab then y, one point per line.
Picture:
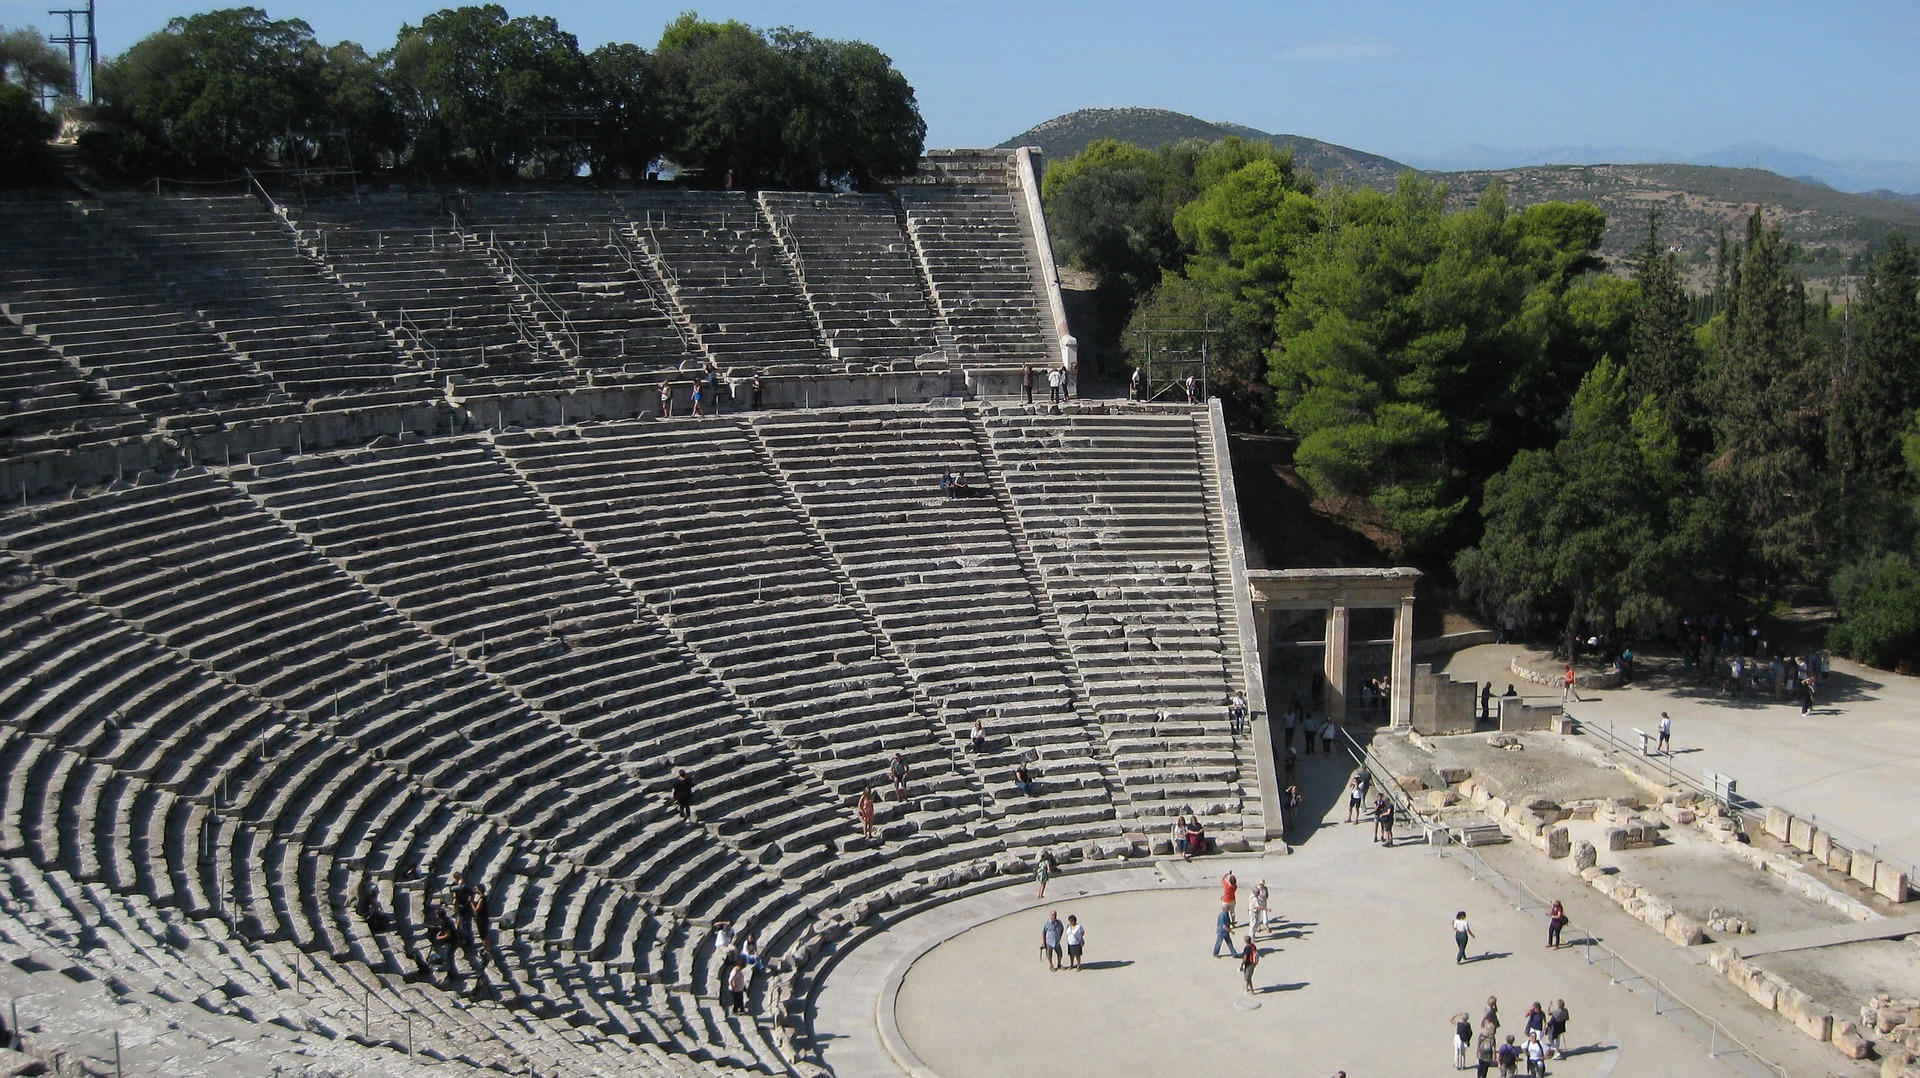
897	773
1381	812
954	486
1189	838
1486	1053
706	391
1056	936
1057	379
742	949
462	923
1309	727
1259	920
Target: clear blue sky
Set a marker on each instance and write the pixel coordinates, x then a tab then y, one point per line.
1838	80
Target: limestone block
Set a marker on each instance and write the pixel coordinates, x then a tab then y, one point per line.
1799	834
1777	823
1822	846
1893	1060
1679	814
1725	960
1161	846
1800	1009
1656	914
1840	859
1890	883
1847	1038
1584	856
1592	873
1685	930
1496	807
1559	842
1453	776
1410	783
1616	838
1862	868
1762	989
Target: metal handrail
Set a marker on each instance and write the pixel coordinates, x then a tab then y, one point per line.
520	277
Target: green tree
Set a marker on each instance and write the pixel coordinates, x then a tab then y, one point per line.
1767	390
1413	349
1879	611
24	131
28	61
490	96
1875	391
1662	358
855	120
221	90
1594	526
628	134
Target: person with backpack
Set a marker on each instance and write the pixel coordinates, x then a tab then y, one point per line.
1249	958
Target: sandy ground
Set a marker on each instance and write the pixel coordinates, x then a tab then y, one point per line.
1843	977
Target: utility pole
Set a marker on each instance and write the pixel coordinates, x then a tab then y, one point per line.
73	41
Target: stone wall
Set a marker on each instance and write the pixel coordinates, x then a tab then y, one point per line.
1881	877
1518	716
1442	705
1770	990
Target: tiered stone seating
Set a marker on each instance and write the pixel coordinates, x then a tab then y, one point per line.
857	267
946	583
719	548
47	404
123	772
104	313
574	248
977	256
727	272
429	287
236	264
445	533
1114	507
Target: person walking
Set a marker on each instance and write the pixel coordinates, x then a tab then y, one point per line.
1666	735
1355	795
1536	1057
1076	941
1556	920
1557	1029
683	794
1052	932
897	771
737	980
1134	383
1462	932
1257	915
1327	730
1569	690
1223	931
1249	958
1044	870
1462	1040
1509	1058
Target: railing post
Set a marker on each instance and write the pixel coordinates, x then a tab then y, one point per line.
117	1072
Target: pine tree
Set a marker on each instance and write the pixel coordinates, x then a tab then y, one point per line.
1662	359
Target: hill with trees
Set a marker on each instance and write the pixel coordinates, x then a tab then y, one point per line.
1064	136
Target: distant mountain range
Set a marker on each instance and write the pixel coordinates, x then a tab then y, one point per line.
1695	201
1877	179
1064	136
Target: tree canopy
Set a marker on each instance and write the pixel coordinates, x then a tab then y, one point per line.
472	93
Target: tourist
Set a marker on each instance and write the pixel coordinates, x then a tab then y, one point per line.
1327	730
1666	735
737	980
683	794
698	392
482	921
1229	893
750	952
1043	871
1509	1058
1557	1028
759	391
1290	801
366	903
1223	931
1556	920
1462	1040
1288	724
1309	733
1486	700
1052	932
1486	1053
445	938
897	771
1023	779
1196	838
1292	765
1462	932
1134	385
1192	385
1257	914
1180	837
1536	1056
1806	695
1076	940
1490	1018
1355	797
666	401
1535	1020
977	740
1056	385
1569	690
866	814
1249	958
1383	821
1026	381
713	388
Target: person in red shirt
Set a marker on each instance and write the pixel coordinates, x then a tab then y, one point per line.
1229	891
